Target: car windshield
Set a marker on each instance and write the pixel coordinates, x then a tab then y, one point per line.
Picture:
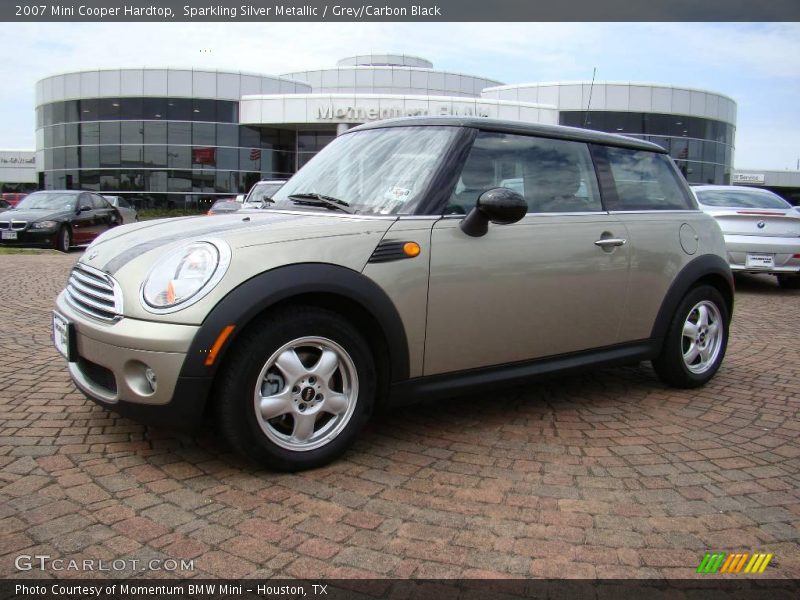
48	201
226	205
740	199
262	191
375	171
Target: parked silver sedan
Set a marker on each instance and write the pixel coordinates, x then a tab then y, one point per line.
129	214
762	230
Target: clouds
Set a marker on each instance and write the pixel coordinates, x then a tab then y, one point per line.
753	63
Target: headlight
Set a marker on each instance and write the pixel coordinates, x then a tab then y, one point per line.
186	275
44	225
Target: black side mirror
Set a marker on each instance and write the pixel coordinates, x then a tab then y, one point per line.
501	206
84	208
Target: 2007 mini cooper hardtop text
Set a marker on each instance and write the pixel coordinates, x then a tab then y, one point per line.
410	259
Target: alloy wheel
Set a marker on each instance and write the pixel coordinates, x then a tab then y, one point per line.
306	393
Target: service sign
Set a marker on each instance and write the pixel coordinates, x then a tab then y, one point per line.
755	178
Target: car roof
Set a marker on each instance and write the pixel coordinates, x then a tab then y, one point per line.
518	127
737	188
62	192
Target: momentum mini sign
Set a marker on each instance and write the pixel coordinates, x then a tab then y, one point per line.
352	114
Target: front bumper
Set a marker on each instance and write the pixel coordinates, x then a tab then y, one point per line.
782	249
37	238
110	361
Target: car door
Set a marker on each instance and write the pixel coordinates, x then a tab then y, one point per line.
553	283
646	192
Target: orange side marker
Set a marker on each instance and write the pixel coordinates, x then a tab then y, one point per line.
212	354
411	249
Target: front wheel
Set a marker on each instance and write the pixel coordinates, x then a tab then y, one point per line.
696	340
63	239
296	389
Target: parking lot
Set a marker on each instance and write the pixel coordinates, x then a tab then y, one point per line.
608	474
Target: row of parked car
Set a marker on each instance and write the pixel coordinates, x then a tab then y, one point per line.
62	219
762	230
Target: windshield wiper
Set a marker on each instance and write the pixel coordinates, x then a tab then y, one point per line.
314	199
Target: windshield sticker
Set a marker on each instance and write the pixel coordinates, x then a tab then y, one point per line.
393	199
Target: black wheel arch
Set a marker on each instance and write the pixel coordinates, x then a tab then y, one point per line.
706	269
336	288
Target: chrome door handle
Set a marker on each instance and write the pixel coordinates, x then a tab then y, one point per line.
609	242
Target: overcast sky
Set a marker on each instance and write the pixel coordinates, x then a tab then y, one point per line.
755	64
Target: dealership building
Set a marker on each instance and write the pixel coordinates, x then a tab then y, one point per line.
183	137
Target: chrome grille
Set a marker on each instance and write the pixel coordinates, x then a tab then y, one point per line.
94	293
15	225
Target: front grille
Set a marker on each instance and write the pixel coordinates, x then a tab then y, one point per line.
94	293
15	225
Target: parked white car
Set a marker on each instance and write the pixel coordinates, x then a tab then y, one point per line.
129	214
762	230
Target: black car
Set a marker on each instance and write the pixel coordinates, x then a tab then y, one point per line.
57	219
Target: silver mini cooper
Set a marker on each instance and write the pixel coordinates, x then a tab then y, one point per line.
410	259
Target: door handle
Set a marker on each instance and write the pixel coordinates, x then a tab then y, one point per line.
610	242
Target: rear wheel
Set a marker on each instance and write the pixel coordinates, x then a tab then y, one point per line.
63	239
696	340
789	282
296	389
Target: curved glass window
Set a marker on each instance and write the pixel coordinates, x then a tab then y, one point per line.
627	123
701	148
113	109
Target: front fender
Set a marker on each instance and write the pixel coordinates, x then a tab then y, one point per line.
254	296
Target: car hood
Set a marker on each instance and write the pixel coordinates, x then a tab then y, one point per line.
36	215
121	245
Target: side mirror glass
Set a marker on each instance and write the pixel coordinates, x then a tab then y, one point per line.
500	206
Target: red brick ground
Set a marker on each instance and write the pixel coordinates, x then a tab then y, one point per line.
609	474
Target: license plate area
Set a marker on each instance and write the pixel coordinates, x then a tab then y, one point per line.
63	336
760	261
9	235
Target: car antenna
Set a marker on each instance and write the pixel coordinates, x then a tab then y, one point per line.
589	104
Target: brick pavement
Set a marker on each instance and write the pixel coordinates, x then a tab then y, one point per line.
608	474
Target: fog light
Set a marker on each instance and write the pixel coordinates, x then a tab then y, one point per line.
150	375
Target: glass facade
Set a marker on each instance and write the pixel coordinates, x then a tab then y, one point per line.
701	148
165	152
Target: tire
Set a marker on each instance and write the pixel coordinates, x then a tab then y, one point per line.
789	282
691	356
63	239
318	374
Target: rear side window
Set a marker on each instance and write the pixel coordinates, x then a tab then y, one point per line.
122	203
552	175
644	181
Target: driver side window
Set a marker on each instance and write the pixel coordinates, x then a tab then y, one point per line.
552	175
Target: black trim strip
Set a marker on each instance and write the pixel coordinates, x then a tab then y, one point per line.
477	380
